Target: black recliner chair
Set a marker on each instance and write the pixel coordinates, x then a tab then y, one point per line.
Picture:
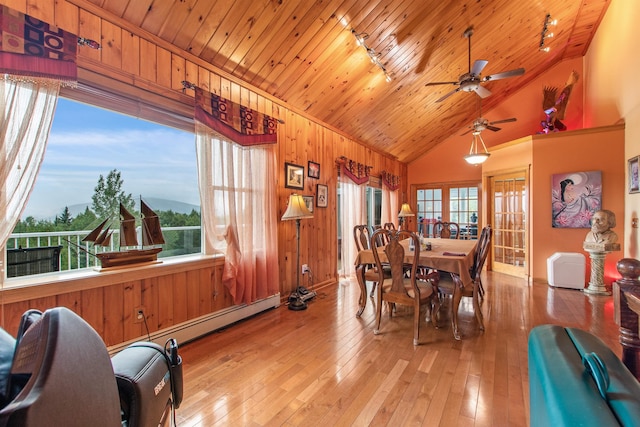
57	372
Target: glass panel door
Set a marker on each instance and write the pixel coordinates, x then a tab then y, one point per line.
508	210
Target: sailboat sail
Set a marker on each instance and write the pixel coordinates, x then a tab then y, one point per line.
105	238
95	233
127	228
151	230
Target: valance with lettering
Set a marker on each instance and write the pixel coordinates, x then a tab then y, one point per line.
33	48
237	122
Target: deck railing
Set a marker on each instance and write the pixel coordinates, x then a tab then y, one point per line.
76	254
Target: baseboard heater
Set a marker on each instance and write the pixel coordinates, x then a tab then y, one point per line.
195	328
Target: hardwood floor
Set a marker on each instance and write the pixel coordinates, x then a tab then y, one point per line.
324	366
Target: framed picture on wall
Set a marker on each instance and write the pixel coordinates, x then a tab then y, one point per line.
293	176
308	200
634	180
575	197
322	195
313	170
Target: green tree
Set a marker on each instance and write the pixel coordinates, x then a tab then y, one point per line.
108	195
84	221
64	220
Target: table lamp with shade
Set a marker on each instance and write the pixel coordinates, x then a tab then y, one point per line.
297	210
405	211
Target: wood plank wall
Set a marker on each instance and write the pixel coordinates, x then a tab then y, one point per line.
148	67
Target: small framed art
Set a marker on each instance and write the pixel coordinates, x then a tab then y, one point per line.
308	200
322	194
313	170
293	176
634	180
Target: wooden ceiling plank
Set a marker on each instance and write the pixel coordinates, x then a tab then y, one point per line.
258	22
305	27
339	40
193	24
136	11
255	62
224	30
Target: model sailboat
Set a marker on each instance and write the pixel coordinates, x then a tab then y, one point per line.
151	236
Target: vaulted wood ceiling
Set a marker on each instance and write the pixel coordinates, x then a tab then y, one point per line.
304	53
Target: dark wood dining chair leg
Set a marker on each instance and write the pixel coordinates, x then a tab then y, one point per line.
376	330
416	324
362	301
455	304
476	309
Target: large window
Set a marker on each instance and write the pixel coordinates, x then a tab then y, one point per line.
153	162
455	202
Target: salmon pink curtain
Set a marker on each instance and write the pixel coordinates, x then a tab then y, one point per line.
353	212
390	206
239	212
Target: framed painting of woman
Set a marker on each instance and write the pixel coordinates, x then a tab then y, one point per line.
575	197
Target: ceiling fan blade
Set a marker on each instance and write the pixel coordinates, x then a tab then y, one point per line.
441	83
483	92
493	128
470	129
504	75
447	95
512	119
478	66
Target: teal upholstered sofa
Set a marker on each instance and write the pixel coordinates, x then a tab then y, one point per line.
576	380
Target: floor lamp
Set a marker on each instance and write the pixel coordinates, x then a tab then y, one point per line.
297	210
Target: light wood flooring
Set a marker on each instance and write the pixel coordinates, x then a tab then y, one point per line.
325	367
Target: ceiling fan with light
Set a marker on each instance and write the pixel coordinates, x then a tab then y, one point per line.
471	81
481	124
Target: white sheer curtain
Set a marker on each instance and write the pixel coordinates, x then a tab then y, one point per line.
239	212
352	208
390	206
28	108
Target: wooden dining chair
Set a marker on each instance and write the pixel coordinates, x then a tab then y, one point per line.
445	283
446	230
402	287
389	226
362	236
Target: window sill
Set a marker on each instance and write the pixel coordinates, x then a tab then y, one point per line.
43	285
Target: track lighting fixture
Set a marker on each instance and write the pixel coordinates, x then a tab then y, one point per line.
373	55
545	34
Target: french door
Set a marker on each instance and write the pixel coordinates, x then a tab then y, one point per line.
508	213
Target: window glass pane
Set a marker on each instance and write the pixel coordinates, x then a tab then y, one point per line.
135	158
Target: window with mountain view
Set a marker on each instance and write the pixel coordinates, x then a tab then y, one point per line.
95	160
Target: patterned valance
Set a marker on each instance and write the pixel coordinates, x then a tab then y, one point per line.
355	171
32	48
238	123
391	181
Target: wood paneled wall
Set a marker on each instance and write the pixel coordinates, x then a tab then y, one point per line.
146	68
169	293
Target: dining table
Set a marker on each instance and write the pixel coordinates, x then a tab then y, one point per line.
453	256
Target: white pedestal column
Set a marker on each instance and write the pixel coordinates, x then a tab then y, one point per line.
597	254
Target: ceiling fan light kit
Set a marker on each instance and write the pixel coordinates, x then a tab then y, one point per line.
475	157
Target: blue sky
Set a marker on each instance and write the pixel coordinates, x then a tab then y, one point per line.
86	142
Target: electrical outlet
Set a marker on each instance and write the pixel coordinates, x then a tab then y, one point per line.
305	268
138	314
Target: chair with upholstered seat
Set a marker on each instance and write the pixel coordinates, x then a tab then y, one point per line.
402	287
362	236
446	230
445	283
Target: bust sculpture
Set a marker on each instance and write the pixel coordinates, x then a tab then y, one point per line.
601	224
